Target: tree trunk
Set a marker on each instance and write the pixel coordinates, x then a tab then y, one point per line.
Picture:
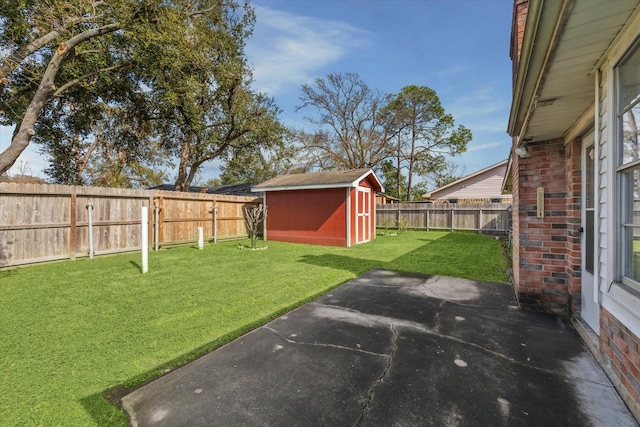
398	172
25	131
411	161
182	183
85	159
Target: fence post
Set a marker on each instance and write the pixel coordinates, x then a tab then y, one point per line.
156	219
73	224
200	238
398	215
162	209
480	220
150	221
144	222
451	218
90	228
426	218
215	223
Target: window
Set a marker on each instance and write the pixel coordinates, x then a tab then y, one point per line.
627	122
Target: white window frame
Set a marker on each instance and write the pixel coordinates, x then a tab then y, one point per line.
624	225
617	298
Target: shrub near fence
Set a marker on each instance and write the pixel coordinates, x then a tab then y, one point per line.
42	222
485	218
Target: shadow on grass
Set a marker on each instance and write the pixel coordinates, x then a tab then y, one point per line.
441	256
462	255
106	407
136	265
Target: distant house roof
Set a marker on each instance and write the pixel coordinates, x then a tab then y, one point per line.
486	182
306	181
229	190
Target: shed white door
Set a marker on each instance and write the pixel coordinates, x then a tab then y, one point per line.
590	310
363	215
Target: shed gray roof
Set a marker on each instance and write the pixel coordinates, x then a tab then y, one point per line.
344	178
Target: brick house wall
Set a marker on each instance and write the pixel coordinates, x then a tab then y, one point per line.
620	348
573	221
540	254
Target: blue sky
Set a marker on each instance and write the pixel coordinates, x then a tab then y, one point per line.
459	48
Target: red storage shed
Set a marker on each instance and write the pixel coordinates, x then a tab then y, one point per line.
325	208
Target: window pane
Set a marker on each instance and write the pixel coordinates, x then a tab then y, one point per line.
629	78
631	217
630	123
630	197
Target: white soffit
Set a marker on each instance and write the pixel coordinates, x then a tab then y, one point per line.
591	28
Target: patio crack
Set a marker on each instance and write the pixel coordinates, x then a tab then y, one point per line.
316	344
372	389
436	328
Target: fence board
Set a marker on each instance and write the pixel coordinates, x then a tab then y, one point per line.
487	218
43	222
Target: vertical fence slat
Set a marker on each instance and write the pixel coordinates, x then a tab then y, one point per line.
73	239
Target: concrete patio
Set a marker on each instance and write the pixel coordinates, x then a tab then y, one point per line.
393	349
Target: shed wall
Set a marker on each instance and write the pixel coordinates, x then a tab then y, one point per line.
307	216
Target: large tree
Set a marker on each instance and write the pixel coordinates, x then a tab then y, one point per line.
203	103
348	133
46	49
424	133
124	80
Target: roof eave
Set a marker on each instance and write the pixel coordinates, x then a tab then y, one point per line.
507	182
364	175
531	28
349	184
543	28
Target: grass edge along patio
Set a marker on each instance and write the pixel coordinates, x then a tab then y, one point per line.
73	330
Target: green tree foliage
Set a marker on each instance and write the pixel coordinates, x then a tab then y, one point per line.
392	181
259	163
425	134
46	49
203	101
348	135
112	89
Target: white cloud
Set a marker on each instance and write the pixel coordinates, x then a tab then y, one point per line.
487	146
287	50
456	69
482	102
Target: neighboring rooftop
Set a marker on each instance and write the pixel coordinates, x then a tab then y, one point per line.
229	189
485	183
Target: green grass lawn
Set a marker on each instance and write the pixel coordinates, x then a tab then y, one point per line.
71	330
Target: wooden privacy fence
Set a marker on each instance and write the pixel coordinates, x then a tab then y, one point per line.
42	222
485	218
